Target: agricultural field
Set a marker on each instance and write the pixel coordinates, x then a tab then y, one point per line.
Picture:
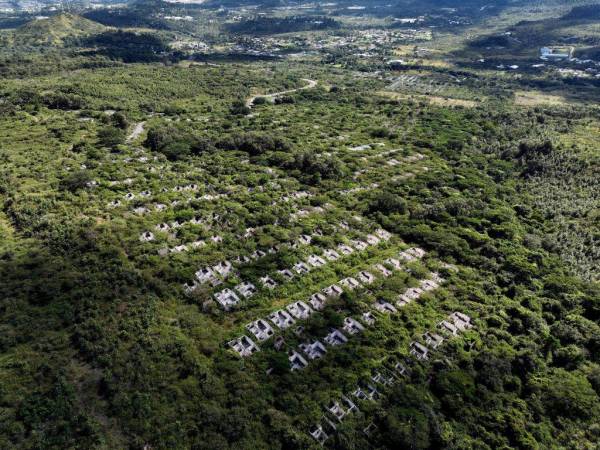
300	226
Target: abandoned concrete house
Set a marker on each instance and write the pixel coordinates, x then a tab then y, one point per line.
317	301
223	268
384	307
281	319
246	289
227	299
335	337
301	268
345	250
393	262
244	346
352	326
372	239
297	362
319	434
433	340
350	283
383	270
419	351
333	291
360	245
260	329
331	255
316	261
286	273
268	282
448	327
366	277
313	350
299	310
368	318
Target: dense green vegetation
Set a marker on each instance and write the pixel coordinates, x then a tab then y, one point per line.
127	166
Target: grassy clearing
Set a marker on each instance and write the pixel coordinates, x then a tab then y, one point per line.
433	99
534	98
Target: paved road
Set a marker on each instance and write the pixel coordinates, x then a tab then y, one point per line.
311	84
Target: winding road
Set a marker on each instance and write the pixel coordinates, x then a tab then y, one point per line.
311	84
137	130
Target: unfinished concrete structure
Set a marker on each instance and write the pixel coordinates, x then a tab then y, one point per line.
316	261
411	294
333	291
419	351
369	429
331	255
368	318
366	277
246	289
448	327
383	234
401	369
317	301
345	249
359	245
162	227
279	343
206	275
268	282
304	239
384	307
244	346
190	286
336	410
297	361
372	239
460	320
260	329
300	310
394	263
335	337
301	268
147	236
352	326
313	350
223	268
319	434
286	273
227	299
384	271
282	319
432	340
428	285
350	283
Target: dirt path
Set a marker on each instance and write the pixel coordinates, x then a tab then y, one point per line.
311	84
137	131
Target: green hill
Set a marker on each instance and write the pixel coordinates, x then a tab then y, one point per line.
55	29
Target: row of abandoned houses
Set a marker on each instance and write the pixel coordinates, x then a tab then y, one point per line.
262	329
387	375
228	298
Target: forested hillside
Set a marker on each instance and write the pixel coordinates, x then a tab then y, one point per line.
227	227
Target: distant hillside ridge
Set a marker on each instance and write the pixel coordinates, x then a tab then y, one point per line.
54	30
585	12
